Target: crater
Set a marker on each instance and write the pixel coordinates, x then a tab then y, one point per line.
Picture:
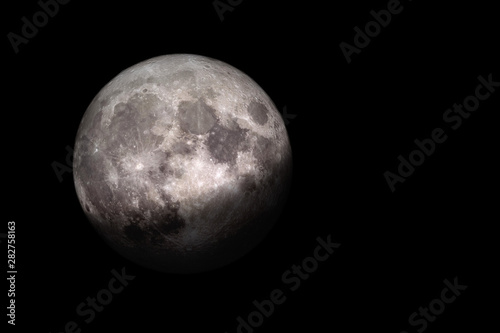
258	112
105	101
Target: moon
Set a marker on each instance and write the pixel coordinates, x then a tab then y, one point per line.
182	163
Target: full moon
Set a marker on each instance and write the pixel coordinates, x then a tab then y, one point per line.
182	163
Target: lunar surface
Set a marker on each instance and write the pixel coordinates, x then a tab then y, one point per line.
182	163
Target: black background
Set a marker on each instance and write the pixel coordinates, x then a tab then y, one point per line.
353	120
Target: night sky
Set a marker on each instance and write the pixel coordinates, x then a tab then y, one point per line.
394	164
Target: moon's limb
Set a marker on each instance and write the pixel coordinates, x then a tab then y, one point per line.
182	163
